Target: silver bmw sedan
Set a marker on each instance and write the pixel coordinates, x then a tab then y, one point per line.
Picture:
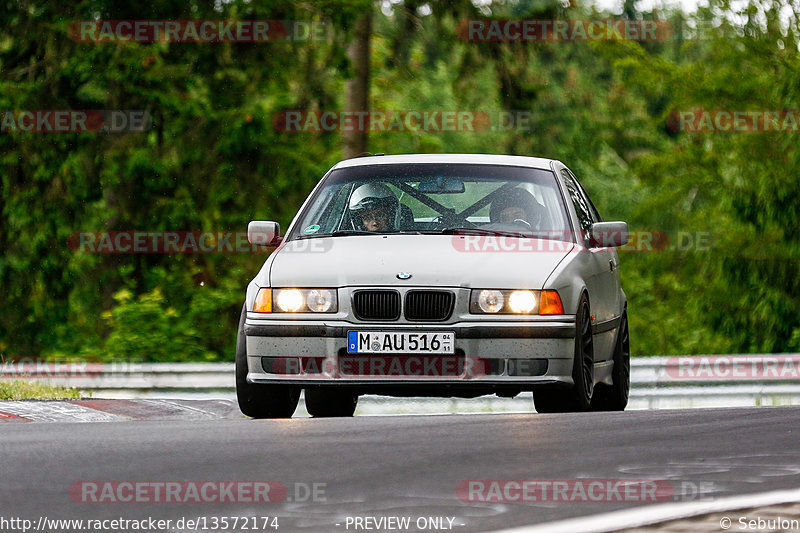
453	275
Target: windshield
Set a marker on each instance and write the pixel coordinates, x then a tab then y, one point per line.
435	199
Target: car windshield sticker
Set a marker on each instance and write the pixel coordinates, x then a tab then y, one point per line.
311	229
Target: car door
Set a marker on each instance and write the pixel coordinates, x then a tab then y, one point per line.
610	277
599	264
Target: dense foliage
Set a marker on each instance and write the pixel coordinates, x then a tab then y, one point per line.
213	159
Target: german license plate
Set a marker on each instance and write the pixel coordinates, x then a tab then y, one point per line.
400	342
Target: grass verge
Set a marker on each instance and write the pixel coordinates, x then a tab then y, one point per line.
17	389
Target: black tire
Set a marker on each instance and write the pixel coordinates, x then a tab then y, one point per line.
578	397
615	397
261	401
321	403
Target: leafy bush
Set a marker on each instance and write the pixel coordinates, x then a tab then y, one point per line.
147	329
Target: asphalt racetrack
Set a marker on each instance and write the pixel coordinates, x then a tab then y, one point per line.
336	471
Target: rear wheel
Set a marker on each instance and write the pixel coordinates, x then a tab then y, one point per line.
261	401
579	396
615	397
330	402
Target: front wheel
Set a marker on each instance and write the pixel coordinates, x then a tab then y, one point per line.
615	397
330	402
579	396
260	401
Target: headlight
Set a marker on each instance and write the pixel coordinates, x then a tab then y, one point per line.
515	302
522	302
491	301
305	301
296	301
320	300
288	300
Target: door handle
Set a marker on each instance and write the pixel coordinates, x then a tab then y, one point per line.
611	264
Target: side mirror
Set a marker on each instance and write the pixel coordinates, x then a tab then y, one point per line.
263	233
606	234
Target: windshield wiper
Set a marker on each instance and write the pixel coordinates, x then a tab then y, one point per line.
345	232
484	231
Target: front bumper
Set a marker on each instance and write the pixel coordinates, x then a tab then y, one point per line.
519	354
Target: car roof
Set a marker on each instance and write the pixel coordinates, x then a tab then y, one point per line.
471	159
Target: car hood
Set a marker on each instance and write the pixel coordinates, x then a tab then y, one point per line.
431	260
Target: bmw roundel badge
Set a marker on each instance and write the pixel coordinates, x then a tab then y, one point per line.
403	275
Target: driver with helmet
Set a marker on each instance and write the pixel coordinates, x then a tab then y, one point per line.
374	207
516	206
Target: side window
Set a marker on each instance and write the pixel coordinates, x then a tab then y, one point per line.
582	207
592	208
